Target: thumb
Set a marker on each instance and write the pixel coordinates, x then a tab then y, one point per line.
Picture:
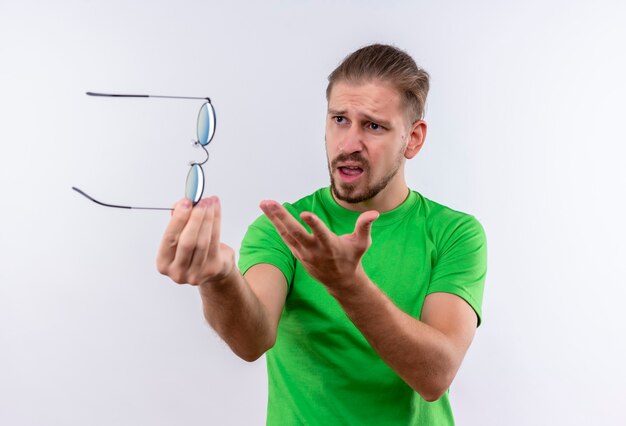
363	225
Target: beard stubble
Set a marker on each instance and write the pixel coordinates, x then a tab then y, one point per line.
346	192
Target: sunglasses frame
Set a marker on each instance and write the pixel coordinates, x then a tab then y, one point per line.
191	164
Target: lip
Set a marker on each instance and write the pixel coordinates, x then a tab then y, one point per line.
350	164
349	178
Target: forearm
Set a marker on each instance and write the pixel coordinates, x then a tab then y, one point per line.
235	312
420	354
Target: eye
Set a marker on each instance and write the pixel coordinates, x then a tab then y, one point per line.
375	127
339	119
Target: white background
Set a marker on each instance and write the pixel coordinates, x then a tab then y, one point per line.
526	117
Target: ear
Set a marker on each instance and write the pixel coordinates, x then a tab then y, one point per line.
416	137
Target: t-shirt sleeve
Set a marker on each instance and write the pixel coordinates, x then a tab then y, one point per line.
461	266
263	244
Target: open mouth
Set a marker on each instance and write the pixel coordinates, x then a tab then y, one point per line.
350	173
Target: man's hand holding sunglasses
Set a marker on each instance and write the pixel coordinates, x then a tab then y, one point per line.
191	251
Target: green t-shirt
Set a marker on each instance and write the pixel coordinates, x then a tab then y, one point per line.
322	371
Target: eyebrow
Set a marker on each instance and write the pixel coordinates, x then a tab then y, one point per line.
336	111
368	117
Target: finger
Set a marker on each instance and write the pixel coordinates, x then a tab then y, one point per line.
167	247
291	231
280	226
189	237
363	225
203	240
320	231
216	230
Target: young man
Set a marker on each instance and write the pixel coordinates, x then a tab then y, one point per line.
365	295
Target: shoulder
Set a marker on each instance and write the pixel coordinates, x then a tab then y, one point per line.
447	225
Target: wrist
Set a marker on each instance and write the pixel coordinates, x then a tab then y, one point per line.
220	279
349	285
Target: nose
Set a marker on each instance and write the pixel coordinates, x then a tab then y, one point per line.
352	140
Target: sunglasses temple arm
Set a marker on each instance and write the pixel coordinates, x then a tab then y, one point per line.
115	95
116	206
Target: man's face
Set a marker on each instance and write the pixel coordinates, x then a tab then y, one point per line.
366	135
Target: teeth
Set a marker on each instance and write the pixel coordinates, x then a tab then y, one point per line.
351	170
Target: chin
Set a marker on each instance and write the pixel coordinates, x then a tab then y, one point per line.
350	194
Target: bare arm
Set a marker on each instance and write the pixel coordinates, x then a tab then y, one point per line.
427	353
243	311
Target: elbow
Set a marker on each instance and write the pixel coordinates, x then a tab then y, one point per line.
252	354
432	395
435	388
434	381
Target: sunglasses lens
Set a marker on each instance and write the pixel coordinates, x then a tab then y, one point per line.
206	124
195	184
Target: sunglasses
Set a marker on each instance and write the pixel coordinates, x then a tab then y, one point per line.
205	129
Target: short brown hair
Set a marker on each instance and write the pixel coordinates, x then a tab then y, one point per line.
388	64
